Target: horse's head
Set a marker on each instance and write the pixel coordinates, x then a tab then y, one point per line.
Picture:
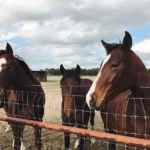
7	68
117	73
70	81
70	86
14	72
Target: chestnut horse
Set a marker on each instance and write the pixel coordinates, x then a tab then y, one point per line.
21	95
122	73
75	111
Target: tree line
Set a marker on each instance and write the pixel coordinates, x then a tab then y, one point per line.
90	72
55	71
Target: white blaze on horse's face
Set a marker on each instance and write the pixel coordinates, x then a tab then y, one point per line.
92	89
2	61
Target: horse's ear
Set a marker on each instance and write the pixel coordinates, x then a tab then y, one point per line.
9	48
62	69
78	69
106	46
127	41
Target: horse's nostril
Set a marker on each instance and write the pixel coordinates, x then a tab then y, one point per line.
92	103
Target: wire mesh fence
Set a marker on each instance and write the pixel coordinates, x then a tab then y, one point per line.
54	140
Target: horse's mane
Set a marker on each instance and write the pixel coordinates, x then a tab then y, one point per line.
114	46
2	52
26	68
23	64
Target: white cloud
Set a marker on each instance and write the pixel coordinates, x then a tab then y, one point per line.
8	36
68	31
16	10
68	63
142	47
59	52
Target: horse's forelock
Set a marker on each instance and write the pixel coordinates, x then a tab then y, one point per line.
114	47
69	73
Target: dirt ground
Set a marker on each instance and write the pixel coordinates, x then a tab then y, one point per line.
51	140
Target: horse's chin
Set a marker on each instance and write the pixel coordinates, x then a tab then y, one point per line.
101	106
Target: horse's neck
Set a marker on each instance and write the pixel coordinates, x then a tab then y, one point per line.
80	98
142	83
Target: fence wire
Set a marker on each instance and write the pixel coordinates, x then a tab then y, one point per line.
53	140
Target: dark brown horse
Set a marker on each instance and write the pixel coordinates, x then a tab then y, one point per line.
21	95
121	73
75	111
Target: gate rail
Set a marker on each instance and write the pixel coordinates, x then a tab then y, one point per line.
131	141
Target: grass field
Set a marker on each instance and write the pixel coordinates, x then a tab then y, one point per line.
51	140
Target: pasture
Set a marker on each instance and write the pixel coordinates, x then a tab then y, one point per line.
51	140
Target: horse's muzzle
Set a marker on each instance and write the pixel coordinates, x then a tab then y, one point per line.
93	104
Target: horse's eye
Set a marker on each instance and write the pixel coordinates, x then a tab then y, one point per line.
114	65
8	67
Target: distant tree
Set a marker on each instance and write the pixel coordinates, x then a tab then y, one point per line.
47	70
91	72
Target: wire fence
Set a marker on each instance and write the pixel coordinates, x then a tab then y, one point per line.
54	140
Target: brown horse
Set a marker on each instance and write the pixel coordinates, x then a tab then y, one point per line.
122	70
21	95
75	111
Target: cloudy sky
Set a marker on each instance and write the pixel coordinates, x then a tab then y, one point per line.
47	33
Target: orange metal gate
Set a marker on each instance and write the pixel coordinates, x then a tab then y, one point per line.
143	143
